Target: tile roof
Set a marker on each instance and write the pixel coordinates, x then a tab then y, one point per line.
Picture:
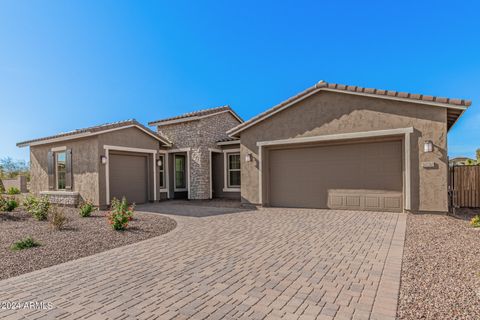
458	104
398	94
96	129
199	113
228	139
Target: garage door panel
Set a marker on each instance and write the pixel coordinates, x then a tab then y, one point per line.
128	177
305	177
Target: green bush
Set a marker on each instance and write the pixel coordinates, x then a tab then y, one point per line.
7	204
26	243
37	207
86	209
13	190
120	214
29	202
475	222
57	217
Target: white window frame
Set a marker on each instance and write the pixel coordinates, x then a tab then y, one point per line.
226	187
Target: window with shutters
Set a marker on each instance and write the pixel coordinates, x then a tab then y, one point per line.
60	170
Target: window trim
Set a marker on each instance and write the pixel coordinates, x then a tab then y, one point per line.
55	157
175	188
226	170
161	169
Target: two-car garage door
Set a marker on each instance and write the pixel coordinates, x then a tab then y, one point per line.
357	176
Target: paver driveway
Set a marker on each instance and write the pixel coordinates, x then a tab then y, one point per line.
232	264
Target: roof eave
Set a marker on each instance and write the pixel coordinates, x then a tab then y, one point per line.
317	88
54	139
160	123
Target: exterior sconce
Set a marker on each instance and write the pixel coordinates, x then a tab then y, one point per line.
248	157
428	146
103	159
159	163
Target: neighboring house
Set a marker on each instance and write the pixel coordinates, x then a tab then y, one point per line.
460	161
330	146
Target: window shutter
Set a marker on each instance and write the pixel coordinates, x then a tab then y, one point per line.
68	169
50	171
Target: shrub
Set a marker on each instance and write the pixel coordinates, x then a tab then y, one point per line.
475	222
13	190
86	209
2	188
26	243
57	217
120	214
37	207
7	204
29	202
10	205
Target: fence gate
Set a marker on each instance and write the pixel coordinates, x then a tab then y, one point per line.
464	186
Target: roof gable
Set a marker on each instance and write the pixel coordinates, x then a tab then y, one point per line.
95	130
196	115
455	107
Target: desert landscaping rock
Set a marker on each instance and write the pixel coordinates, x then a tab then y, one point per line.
81	237
441	269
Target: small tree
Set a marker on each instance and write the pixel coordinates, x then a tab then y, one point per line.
478	155
470	162
10	168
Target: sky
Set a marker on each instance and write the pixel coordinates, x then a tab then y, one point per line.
72	64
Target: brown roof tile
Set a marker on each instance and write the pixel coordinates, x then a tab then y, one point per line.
198	113
95	129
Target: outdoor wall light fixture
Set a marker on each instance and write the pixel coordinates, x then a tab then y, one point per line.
103	159
248	157
428	146
159	163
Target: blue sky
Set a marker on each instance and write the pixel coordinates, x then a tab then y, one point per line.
71	64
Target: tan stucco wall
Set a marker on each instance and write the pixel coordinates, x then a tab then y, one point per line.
88	172
84	167
132	138
332	113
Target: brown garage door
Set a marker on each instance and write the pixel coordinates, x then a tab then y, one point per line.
128	177
360	176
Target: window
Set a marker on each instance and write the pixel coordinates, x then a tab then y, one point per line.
234	170
60	169
180	178
161	169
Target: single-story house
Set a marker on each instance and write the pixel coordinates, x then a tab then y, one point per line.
330	146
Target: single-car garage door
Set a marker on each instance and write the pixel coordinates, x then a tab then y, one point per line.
128	177
356	176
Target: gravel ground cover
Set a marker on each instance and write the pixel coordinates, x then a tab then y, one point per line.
441	268
81	237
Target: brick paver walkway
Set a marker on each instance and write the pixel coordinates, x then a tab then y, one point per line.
270	263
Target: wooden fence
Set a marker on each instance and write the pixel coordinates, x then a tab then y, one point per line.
464	186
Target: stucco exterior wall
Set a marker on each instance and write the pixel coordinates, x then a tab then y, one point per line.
199	136
131	138
332	113
84	167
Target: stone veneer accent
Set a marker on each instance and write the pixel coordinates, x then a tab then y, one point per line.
199	136
65	198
